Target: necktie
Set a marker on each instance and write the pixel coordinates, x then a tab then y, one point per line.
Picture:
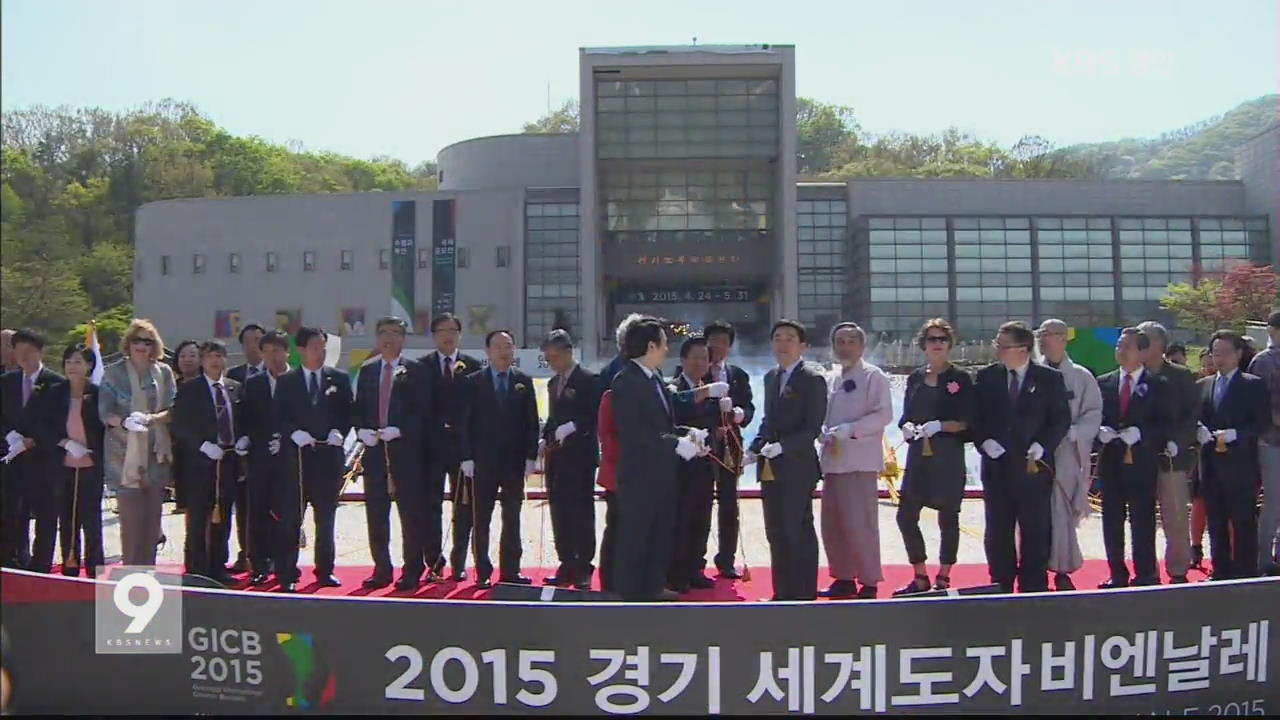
313	387
1125	391
502	385
782	380
1219	391
445	371
662	392
1013	387
224	415
384	395
253	370
564	380
26	389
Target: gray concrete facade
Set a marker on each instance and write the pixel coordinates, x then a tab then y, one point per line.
1258	164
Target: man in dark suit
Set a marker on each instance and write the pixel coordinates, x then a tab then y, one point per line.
571	453
315	412
206	419
499	433
649	444
446	368
390	418
1173	487
740	410
268	468
28	489
1021	415
1234	411
253	365
695	478
1135	413
795	407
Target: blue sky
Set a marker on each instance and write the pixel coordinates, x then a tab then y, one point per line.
405	78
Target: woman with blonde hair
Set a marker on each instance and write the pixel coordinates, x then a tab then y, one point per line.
134	401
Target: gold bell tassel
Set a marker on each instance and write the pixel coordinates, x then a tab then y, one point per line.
217	518
766	470
302	504
71	556
1221	446
1128	454
1032	467
386	456
927	451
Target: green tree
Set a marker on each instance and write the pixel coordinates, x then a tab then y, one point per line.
563	119
1196	305
822	129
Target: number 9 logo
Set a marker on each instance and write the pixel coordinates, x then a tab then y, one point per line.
141	614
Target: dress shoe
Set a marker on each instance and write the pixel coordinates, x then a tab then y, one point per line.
868	592
1062	582
516	580
1113	584
669	596
484	583
582	583
1145	582
840	590
1197	557
407	582
730	574
459	576
433	577
288	587
328	580
559	579
376	582
919	585
1177	579
240	567
259	578
701	582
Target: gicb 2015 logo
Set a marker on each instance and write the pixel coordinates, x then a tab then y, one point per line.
134	615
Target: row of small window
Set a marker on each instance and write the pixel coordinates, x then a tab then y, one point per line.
1046	265
674	206
346	260
1065	223
562	222
719	235
821	301
689	135
823	233
643	223
551	209
670	181
563	290
684	151
837	207
822	284
681	103
737	192
642	88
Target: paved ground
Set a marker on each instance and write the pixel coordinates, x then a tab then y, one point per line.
353	549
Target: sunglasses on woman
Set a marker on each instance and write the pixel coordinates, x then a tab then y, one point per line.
143	341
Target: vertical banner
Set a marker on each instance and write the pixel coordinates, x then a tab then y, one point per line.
443	267
404	216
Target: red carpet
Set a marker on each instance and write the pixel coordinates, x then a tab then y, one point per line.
760	588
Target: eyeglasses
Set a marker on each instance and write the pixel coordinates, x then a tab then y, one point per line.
996	344
937	339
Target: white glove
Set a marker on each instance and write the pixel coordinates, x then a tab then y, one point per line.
686	448
76	450
140	417
1131	435
530	466
726	404
931	428
335	438
1107	434
242	446
565	430
542	447
302	438
910	431
1071	433
718	389
739	416
748	458
273	446
698	435
469	468
211	451
771	450
367	436
1203	435
389	433
993	449
1171	449
829	433
133	424
1035	452
13	438
1228	436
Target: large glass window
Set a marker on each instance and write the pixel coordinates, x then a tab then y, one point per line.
1077	279
824	264
1224	241
688	204
993	274
909	266
551	269
1153	253
687	118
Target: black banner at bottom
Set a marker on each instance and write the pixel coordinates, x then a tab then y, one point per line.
1194	649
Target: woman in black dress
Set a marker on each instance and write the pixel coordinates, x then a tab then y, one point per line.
935	415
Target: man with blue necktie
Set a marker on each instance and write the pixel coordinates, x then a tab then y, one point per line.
1234	412
499	438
